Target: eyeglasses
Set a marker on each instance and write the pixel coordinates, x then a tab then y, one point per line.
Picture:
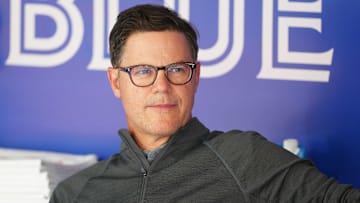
145	75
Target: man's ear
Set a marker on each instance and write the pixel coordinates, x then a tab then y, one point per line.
197	73
113	77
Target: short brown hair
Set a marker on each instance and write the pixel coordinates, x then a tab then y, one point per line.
148	18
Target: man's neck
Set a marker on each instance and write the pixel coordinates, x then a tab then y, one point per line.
150	142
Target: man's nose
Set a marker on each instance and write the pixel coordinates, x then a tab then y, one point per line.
161	82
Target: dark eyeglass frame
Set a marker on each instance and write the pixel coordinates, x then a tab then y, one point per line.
192	66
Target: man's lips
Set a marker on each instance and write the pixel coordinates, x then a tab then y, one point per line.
162	106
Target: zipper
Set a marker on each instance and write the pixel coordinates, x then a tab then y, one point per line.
144	167
145	173
144	184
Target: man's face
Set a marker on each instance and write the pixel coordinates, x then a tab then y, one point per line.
160	109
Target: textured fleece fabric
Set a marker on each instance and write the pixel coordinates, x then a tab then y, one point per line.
202	166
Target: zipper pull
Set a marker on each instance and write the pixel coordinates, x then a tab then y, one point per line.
143	172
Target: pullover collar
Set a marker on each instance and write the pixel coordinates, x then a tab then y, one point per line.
182	141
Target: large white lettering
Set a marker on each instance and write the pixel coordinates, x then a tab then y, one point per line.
100	35
28	49
268	71
286	56
31	42
100	62
218	49
18	56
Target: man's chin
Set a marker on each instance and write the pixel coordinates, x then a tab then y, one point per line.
165	125
165	131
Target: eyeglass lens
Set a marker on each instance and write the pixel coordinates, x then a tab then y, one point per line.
145	75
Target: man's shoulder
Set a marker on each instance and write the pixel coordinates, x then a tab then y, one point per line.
69	188
89	172
247	146
236	138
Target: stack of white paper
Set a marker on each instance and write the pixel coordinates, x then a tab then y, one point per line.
31	176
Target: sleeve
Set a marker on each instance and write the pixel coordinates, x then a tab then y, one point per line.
59	195
271	174
287	178
69	189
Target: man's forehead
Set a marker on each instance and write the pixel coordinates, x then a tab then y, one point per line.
156	48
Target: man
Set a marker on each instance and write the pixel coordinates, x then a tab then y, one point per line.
169	156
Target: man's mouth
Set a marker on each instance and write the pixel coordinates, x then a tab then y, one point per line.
163	106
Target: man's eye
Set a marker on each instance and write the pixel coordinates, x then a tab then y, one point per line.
176	69
142	71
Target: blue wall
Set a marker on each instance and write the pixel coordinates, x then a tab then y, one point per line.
283	68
